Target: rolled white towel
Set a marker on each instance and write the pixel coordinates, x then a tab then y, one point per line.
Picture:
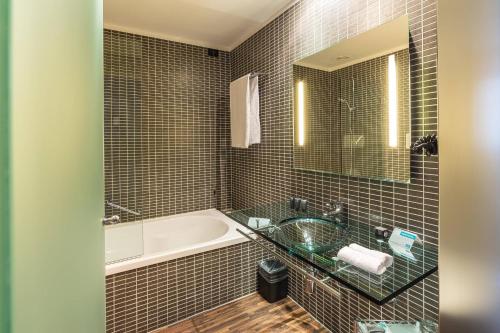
361	260
386	258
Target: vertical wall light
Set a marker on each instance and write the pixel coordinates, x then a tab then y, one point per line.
393	102
300	113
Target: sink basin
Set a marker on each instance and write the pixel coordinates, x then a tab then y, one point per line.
312	234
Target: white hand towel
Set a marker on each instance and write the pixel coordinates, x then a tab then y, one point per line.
363	261
386	258
258	222
254	136
244	105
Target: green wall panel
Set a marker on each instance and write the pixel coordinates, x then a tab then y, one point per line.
56	122
4	184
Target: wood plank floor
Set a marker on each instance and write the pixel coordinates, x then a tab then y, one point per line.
250	314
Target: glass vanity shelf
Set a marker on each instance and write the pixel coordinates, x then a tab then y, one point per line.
399	326
316	240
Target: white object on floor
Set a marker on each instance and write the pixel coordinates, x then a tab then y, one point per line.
258	222
361	260
244	104
386	258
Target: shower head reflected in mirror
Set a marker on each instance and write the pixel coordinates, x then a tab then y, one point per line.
346	102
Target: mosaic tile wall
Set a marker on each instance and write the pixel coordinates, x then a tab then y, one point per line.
166	126
147	298
166	139
354	143
264	173
365	85
322	149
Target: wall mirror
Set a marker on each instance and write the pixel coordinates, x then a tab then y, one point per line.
352	106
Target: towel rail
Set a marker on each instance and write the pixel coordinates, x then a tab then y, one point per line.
254	74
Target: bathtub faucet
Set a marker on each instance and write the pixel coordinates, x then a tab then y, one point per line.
110	220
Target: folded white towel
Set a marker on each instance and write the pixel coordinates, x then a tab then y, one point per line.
244	105
258	222
361	260
386	258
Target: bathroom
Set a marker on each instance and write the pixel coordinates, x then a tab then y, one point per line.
223	166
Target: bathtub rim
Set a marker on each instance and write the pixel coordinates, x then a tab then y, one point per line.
231	237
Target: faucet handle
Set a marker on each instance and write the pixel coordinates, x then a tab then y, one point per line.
110	220
333	207
328	209
328	204
338	207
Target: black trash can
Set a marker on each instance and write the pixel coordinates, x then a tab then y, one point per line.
272	280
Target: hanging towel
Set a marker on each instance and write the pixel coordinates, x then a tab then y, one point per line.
361	260
245	122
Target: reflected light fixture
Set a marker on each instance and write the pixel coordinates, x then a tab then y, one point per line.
340	58
393	101
300	112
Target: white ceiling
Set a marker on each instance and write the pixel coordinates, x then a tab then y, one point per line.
218	24
384	39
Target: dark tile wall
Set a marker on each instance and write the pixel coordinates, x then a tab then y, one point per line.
264	172
365	85
166	151
322	149
166	120
330	123
143	299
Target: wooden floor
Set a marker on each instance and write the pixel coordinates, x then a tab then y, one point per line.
250	314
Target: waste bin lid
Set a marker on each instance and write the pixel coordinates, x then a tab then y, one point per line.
272	266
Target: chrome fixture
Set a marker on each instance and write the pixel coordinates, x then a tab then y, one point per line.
426	144
346	102
310	284
110	220
333	208
351	132
110	204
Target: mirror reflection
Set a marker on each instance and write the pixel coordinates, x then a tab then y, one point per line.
352	106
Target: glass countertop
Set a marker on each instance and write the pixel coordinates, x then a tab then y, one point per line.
398	326
316	240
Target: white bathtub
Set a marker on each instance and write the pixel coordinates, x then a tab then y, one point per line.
168	238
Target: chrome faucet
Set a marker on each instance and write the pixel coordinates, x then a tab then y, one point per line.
310	284
333	208
116	218
110	220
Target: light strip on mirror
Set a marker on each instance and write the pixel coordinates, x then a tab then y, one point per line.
300	112
393	102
